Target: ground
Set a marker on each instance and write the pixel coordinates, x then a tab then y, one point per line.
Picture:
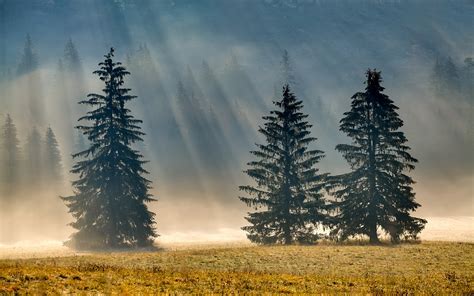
424	268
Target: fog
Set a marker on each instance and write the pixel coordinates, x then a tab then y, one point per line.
205	72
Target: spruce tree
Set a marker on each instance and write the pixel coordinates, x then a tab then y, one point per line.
72	61
29	59
10	157
376	193
34	159
52	158
288	186
110	196
74	83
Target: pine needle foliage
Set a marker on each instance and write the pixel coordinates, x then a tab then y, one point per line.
287	194
111	195
377	193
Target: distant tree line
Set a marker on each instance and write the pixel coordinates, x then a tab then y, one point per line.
33	165
68	86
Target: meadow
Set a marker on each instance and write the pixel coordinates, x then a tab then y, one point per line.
423	268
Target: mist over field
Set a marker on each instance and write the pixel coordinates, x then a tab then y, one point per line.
205	72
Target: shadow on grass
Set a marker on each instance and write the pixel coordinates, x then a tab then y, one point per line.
366	242
96	249
352	242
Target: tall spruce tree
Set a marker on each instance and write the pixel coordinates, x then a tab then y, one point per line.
288	186
10	157
377	193
109	201
52	159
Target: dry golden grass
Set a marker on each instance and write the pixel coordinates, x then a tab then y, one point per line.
426	268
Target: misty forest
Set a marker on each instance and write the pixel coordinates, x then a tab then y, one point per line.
127	123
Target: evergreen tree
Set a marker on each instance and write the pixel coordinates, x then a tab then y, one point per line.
52	159
10	157
377	193
34	159
30	82
74	84
288	186
109	201
72	61
29	60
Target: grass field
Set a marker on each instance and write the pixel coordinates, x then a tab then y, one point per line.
425	268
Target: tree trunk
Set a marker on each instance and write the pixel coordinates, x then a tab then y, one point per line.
372	207
374	239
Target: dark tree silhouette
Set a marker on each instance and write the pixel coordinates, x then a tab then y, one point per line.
377	193
52	159
109	202
10	157
288	186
